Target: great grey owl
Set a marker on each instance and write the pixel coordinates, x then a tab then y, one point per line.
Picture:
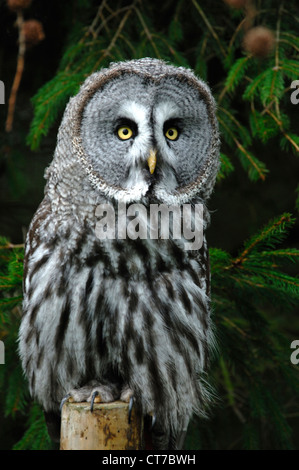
123	318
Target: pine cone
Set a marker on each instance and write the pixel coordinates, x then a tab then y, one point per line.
33	32
259	41
15	5
236	3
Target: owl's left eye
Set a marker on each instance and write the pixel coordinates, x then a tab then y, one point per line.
172	129
124	133
172	133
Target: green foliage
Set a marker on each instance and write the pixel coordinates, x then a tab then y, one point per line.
226	166
253	373
36	437
258	266
49	102
13	387
236	73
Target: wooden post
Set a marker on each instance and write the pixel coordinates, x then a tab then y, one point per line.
105	428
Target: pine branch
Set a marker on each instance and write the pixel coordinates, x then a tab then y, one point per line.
36	436
226	167
269	236
147	33
210	27
18	75
290	254
236	74
107	51
256	169
256	271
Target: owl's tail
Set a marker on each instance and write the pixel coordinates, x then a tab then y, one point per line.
157	438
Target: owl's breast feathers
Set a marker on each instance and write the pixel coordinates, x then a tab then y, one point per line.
138	307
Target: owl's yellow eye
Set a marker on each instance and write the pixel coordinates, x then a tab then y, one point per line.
124	133
172	133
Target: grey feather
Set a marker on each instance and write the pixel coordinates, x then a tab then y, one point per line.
132	313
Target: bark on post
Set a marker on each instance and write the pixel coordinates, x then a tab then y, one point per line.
105	428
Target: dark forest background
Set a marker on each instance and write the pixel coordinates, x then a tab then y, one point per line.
254	231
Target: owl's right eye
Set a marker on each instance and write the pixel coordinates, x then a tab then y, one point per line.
124	133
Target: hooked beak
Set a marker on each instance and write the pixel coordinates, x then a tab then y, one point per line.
152	160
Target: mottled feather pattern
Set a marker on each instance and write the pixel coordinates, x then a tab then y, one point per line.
101	298
134	313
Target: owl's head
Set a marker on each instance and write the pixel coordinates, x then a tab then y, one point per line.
145	128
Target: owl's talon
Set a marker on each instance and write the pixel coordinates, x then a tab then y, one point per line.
63	401
131	403
94	395
154	419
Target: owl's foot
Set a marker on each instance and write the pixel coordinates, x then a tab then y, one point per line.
93	392
126	394
97	392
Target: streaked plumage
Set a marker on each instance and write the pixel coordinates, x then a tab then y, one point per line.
132	312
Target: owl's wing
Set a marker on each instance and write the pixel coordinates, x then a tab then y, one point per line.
206	266
33	238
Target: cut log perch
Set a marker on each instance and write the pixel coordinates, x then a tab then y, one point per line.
105	428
